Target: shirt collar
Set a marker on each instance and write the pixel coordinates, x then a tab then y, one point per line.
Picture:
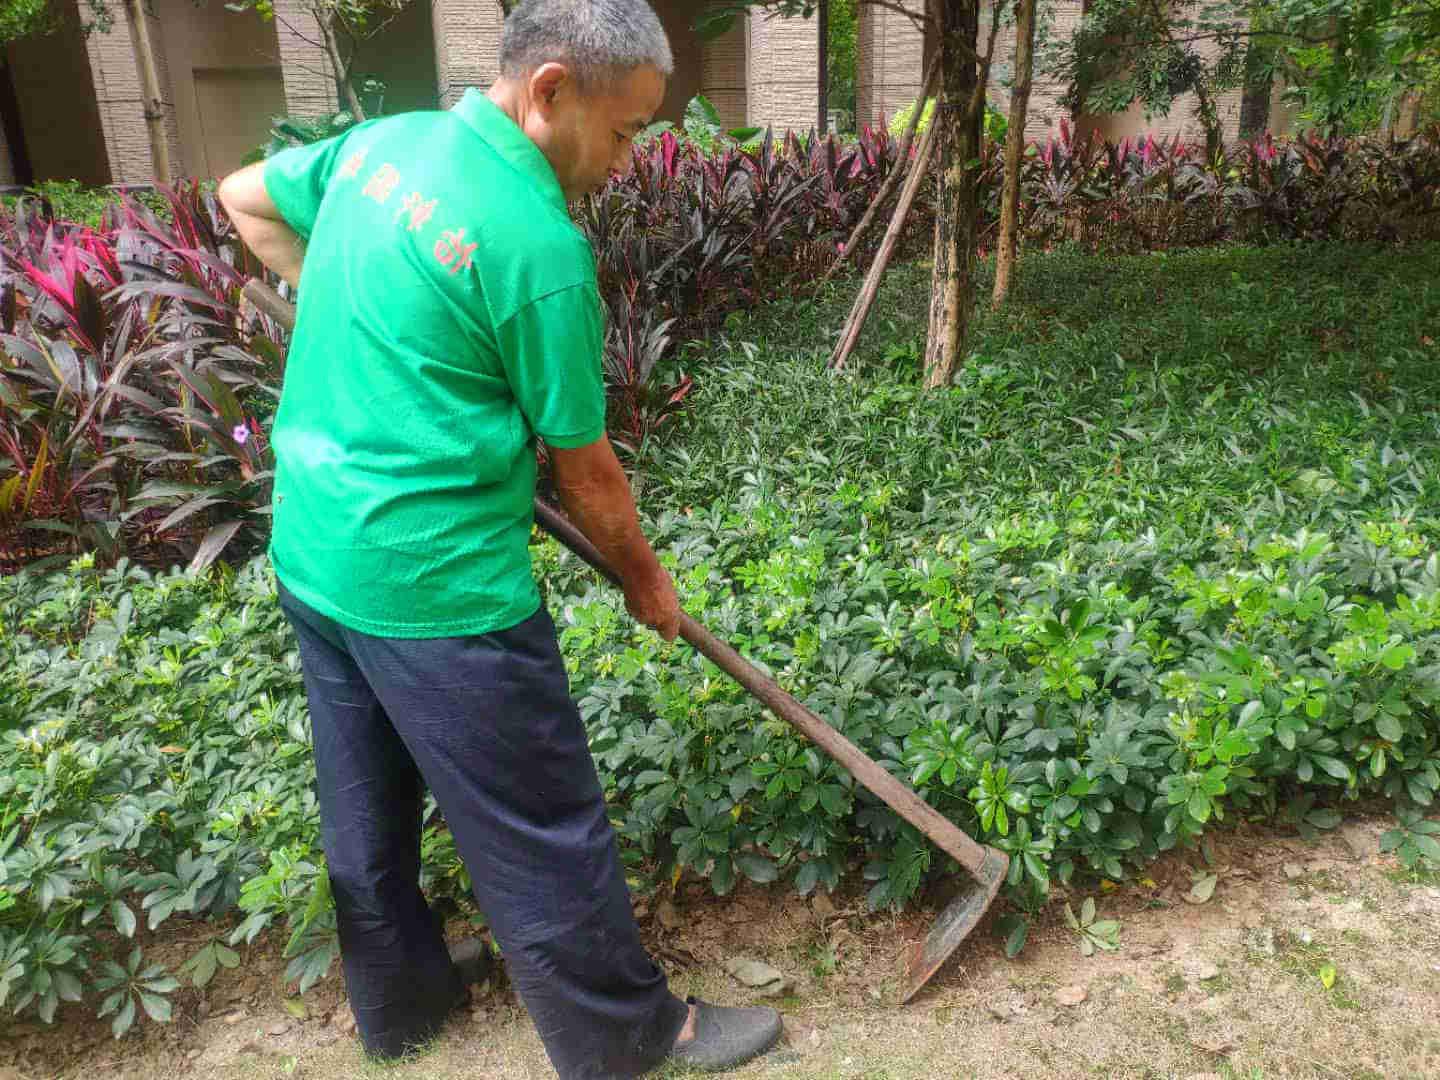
506	138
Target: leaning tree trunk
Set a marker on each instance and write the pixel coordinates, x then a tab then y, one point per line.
1015	148
860	311
150	89
959	113
892	181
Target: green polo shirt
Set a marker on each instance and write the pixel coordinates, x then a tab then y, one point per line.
448	314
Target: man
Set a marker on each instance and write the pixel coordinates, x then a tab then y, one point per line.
448	315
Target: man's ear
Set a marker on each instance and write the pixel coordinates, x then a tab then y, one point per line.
546	83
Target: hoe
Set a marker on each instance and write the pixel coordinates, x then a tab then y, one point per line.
986	865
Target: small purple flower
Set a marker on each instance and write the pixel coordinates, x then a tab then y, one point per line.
240	434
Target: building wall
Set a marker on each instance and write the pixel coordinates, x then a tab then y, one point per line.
55	90
226	76
467	46
403	57
891	70
724	72
121	103
783	61
890	64
1283	114
1044	111
306	71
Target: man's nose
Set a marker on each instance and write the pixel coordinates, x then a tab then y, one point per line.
622	164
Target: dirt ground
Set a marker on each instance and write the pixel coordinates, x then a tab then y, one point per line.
1231	987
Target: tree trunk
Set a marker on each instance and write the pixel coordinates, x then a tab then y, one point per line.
342	70
1255	98
1407	126
958	114
902	159
153	106
1015	148
1209	119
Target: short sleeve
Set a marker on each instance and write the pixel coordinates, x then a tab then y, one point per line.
551	350
296	180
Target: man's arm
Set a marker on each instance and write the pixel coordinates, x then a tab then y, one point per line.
596	496
260	223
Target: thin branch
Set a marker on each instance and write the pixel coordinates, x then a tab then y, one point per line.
319	73
294	30
921	20
982	82
995	9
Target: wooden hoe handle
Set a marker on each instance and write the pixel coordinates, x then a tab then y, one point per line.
896	795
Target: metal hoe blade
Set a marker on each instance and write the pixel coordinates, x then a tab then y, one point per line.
954	924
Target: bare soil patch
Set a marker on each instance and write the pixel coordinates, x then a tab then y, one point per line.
1232	987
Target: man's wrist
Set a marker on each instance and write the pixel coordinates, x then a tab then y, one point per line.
638	565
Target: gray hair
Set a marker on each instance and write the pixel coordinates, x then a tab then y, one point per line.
597	39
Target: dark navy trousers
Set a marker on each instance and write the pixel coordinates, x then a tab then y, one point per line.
487	723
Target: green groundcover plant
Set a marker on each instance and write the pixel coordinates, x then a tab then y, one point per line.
1163	557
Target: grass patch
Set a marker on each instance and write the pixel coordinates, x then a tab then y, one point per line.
1314	964
1416	875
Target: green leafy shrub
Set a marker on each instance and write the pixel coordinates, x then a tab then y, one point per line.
1144	568
71	201
1088	606
150	460
156	767
701	129
901	120
290	131
996	123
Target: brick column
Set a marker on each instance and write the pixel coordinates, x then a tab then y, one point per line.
724	71
304	66
467	46
889	63
121	106
784	58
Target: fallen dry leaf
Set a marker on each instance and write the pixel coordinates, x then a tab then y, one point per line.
1213	1043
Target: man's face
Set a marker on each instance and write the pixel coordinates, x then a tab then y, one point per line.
587	136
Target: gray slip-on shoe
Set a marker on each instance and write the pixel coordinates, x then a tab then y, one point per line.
473	960
473	963
726	1037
